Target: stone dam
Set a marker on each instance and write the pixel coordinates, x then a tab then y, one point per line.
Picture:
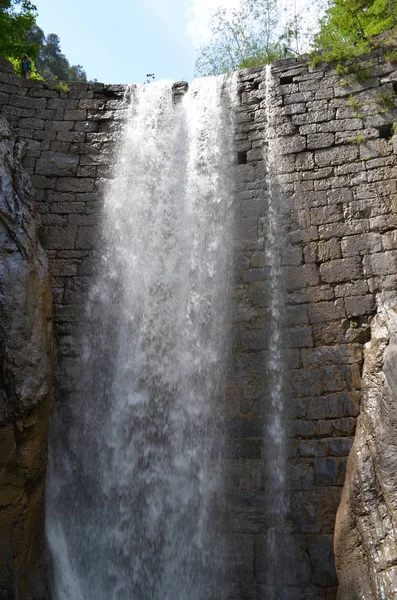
333	247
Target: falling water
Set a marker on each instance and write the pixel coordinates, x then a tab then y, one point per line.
135	484
275	434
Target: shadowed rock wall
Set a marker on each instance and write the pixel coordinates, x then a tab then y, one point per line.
338	174
25	381
365	538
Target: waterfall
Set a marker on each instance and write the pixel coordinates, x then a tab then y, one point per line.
135	484
275	432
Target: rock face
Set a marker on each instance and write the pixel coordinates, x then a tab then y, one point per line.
365	535
25	380
339	178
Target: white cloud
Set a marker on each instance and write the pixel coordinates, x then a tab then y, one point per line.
198	13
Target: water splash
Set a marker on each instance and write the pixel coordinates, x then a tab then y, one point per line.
135	486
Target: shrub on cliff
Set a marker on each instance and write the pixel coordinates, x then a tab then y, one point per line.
348	26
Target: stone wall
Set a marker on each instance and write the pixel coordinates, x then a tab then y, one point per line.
69	150
338	175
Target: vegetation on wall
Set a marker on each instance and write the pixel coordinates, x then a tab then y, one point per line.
348	26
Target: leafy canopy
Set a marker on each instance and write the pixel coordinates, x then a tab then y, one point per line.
348	25
243	37
252	34
16	19
50	62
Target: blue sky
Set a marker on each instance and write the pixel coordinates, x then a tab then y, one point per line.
121	41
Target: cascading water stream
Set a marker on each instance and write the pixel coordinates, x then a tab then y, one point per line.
135	481
276	433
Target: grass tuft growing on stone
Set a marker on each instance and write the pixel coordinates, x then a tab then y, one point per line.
391	56
359	139
385	100
63	87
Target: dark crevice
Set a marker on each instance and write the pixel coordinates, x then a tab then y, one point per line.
287	79
108	94
386	131
242	158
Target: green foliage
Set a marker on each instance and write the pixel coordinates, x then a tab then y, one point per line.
342	69
243	37
63	87
355	67
348	25
362	73
385	101
359	139
16	19
50	61
20	35
250	35
391	56
353	103
395	127
16	63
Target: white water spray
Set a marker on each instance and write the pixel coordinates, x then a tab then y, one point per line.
135	485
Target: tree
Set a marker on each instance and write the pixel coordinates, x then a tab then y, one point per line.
77	73
347	27
50	62
243	37
36	36
299	25
17	17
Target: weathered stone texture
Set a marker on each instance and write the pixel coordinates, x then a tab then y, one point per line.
340	224
26	381
365	538
338	174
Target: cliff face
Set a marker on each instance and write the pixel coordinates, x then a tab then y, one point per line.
25	380
365	535
339	178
